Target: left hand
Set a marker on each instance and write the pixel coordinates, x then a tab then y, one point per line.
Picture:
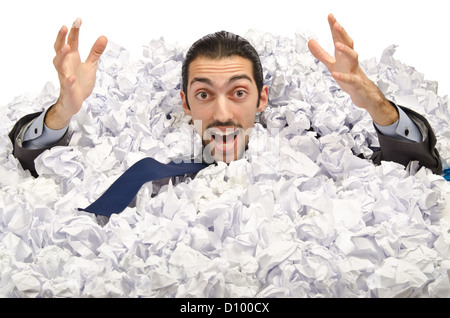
345	69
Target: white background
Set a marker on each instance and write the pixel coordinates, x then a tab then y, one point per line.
28	30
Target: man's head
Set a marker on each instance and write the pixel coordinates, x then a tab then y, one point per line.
223	90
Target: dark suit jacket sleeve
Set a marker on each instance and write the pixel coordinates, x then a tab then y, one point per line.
404	152
25	156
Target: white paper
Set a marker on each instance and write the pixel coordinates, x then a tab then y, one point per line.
298	216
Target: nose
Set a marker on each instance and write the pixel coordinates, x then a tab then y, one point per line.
222	109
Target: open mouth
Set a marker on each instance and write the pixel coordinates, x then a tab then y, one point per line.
224	137
224	140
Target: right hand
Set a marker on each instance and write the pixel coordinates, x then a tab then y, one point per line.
76	79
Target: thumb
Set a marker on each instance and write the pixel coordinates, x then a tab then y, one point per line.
97	50
319	53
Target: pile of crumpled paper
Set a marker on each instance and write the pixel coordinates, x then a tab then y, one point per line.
299	216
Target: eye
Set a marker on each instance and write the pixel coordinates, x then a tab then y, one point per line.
202	95
240	93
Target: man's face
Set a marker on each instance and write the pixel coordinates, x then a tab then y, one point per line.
223	100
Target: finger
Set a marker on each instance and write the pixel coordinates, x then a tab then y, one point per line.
60	39
346	39
97	50
320	54
58	61
338	32
74	34
348	52
332	21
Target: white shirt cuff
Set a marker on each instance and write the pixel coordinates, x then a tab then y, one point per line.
38	135
403	129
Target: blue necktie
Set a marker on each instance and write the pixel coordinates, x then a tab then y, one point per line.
122	192
446	174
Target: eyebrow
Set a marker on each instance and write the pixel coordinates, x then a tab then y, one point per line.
230	81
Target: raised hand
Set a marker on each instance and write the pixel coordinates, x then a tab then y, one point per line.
76	79
345	69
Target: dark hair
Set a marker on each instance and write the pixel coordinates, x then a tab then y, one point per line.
221	45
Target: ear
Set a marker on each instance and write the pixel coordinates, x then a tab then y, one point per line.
184	103
264	99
